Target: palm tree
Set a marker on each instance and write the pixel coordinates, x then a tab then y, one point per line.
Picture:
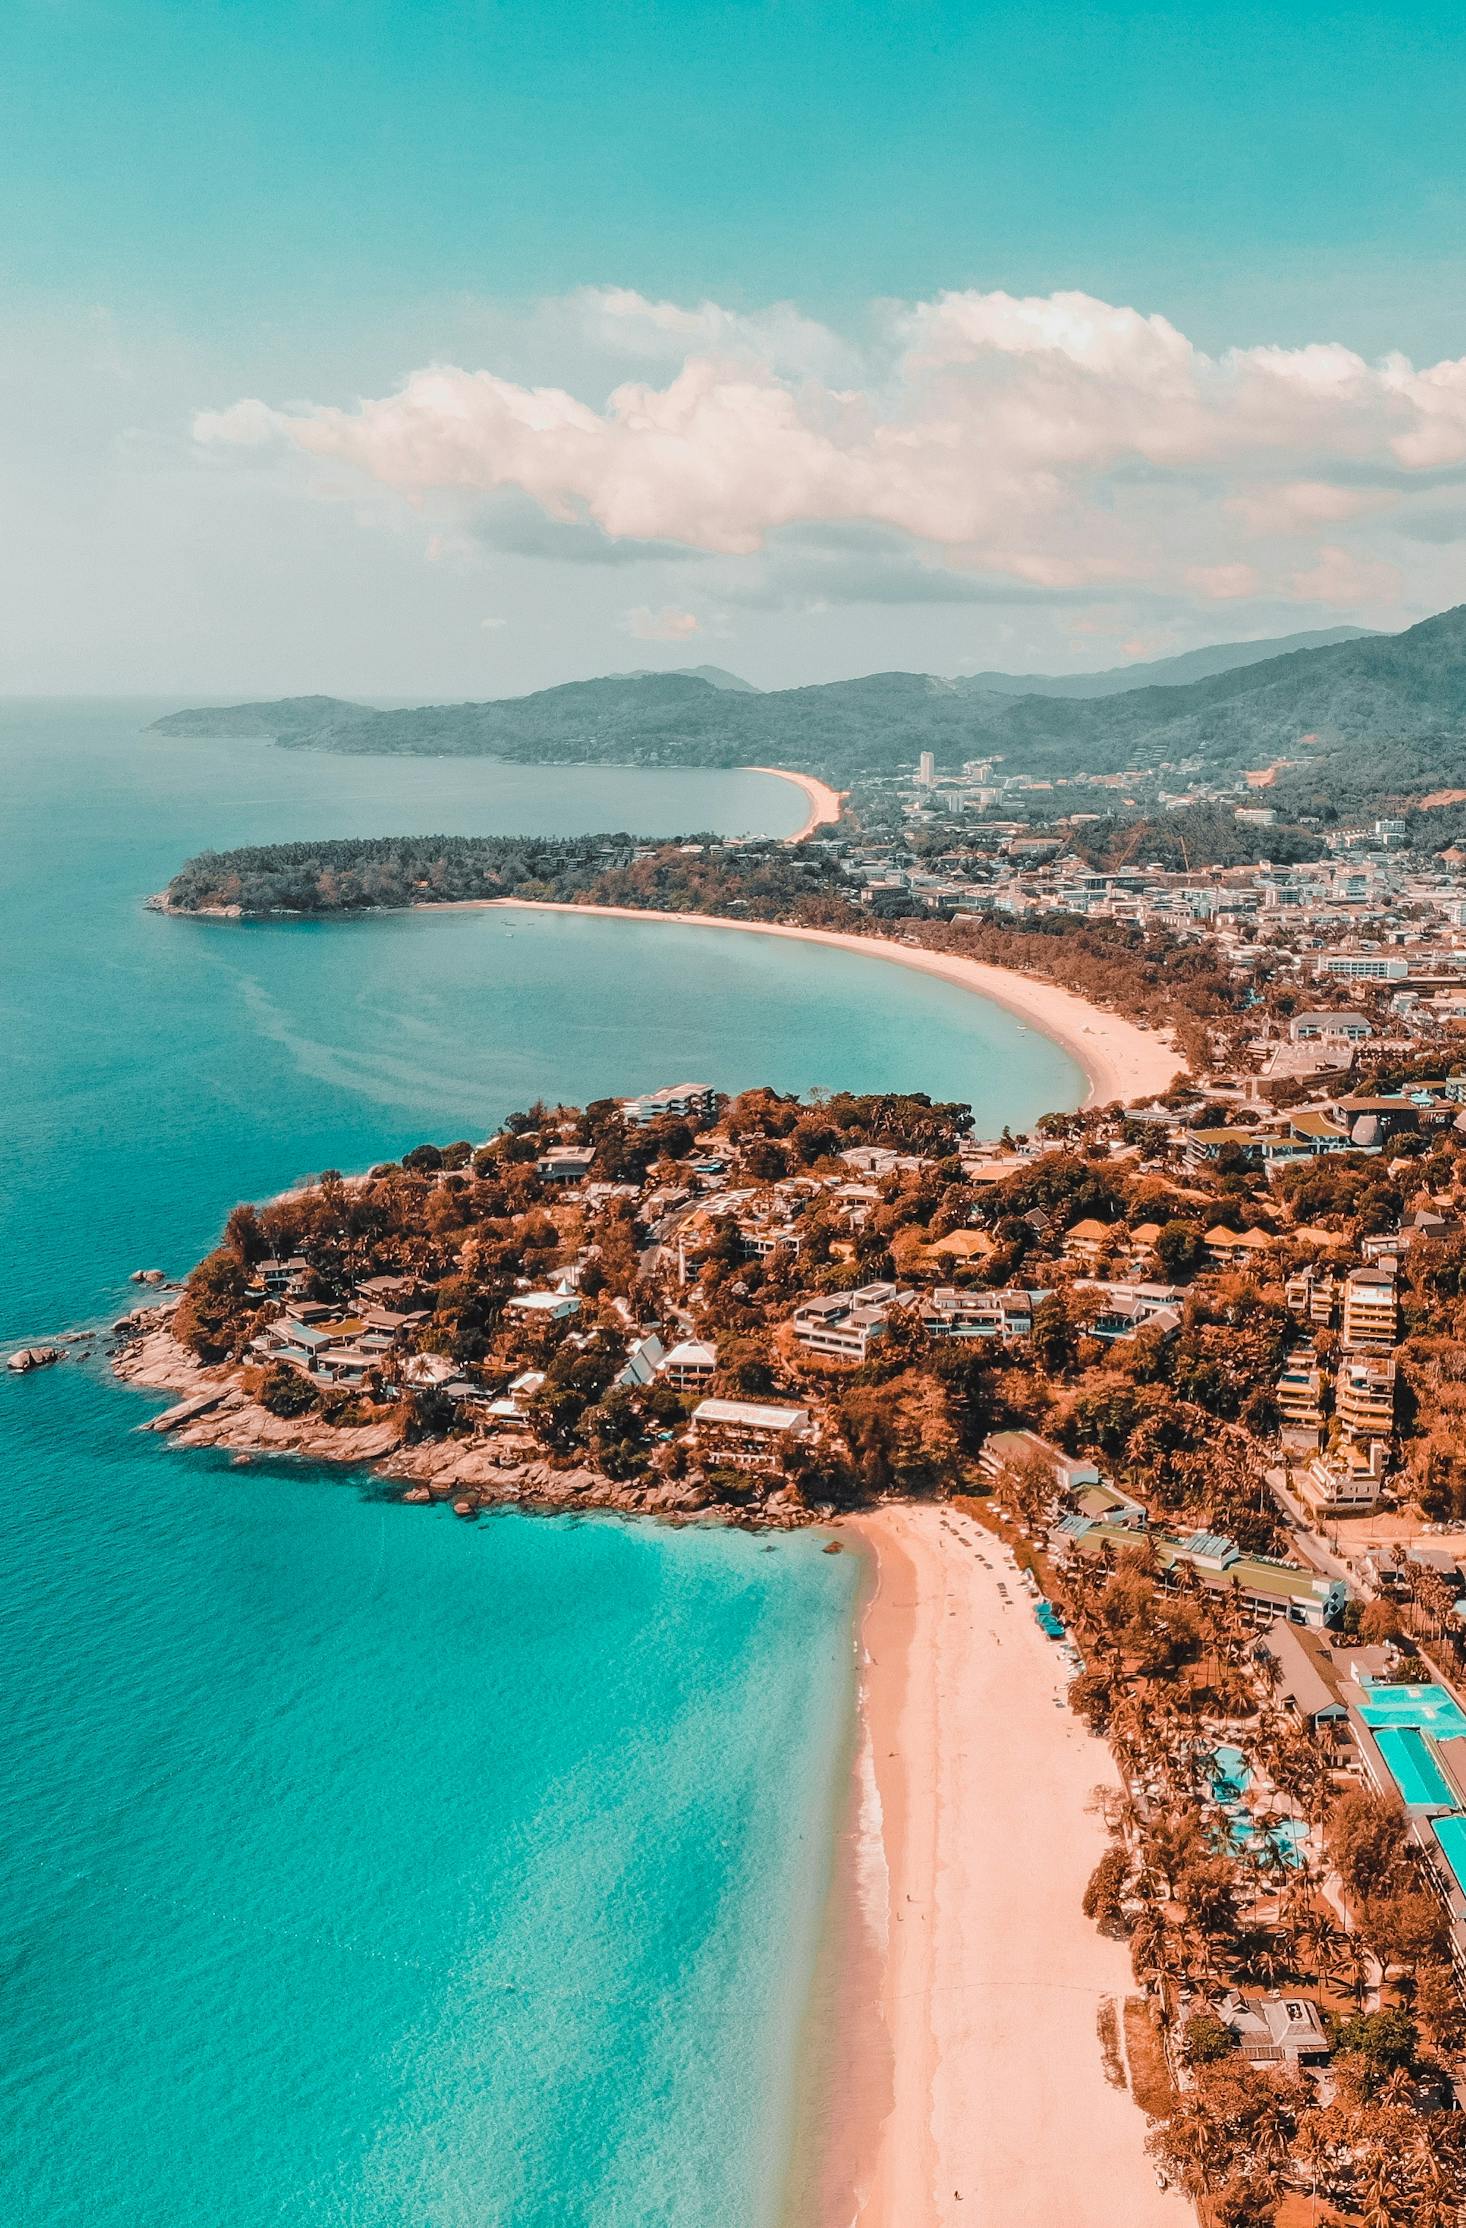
1353	1960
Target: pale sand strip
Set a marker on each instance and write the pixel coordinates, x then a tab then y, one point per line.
824	802
1121	1059
985	2046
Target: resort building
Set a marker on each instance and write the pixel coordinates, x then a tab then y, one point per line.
686	1101
1008	1450
280	1277
1299	1393
1346	1482
1313	1296
1364	1395
1304	1679
950	1312
1371	1313
1362	967
748	1434
1122	1310
1330	1028
843	1326
565	1164
1264	1589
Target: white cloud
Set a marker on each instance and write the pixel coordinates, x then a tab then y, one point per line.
666	625
1058	441
1340	577
244	425
1222	583
1298	506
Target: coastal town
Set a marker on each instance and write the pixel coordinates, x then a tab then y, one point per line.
1193	1361
1185	1362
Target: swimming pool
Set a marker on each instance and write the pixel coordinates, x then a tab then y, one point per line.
1413	1769
1228	1771
1451	1834
1288	1837
1429	1709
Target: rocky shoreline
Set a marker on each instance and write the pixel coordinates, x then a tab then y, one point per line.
213	1408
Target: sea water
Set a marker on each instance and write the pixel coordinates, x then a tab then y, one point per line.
361	1866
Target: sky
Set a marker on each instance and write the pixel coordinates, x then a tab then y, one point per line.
451	349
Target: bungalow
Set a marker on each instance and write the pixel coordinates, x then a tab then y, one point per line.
510	1406
388	1291
748	1434
643	1361
1235	1249
1087	1240
689	1367
543	1307
346	1365
960	1245
1276	2029
299	1344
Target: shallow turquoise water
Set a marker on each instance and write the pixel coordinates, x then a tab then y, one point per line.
361	1866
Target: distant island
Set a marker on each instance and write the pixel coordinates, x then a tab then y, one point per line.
1356	719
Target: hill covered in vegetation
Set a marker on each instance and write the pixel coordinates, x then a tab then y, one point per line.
1380	715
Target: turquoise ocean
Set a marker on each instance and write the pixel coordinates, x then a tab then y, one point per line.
358	1866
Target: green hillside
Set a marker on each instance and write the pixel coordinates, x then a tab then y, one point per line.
1381	714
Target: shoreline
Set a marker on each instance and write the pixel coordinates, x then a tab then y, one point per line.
825	804
1121	1059
968	2088
211	1409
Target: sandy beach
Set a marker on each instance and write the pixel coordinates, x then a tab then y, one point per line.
824	802
1121	1059
971	2092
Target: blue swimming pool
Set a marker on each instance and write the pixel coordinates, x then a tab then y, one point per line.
1413	1769
1288	1837
1429	1709
1451	1834
1228	1771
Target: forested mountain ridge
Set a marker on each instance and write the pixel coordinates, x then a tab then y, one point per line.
1170	672
1380	713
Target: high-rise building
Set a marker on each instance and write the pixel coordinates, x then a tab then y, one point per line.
926	769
